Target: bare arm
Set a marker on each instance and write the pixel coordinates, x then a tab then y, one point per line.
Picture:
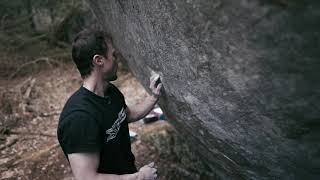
84	167
141	110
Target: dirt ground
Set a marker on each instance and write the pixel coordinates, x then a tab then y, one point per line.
30	106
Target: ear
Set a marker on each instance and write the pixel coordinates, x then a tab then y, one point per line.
97	59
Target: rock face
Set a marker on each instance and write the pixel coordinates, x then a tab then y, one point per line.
241	78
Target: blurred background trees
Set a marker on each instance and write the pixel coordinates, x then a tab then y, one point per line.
33	29
56	21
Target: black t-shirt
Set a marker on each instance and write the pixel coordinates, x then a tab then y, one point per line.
91	123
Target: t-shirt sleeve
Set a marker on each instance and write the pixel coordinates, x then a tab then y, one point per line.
79	133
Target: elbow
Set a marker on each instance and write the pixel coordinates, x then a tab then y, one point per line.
133	118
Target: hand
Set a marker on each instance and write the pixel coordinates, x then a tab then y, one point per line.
155	88
147	172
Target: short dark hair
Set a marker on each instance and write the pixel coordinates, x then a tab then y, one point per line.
86	44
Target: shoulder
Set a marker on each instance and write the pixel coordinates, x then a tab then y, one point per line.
76	117
77	105
114	87
80	113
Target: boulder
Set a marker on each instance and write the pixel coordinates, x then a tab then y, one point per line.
241	78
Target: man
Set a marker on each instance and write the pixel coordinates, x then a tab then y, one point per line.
93	126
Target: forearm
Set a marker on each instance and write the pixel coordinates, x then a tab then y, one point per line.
142	109
134	176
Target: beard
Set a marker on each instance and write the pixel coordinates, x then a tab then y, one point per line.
111	77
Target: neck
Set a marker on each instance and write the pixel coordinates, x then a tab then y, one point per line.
95	84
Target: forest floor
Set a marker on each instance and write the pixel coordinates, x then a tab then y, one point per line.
32	96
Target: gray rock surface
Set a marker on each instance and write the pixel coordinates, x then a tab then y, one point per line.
241	78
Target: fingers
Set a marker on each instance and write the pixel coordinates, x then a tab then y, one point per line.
157	91
156	77
153	80
148	171
159	87
152	83
153	77
154	171
151	164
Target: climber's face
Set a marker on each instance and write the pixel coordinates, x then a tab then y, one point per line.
106	65
110	64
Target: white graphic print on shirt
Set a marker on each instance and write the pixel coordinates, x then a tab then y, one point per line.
113	131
